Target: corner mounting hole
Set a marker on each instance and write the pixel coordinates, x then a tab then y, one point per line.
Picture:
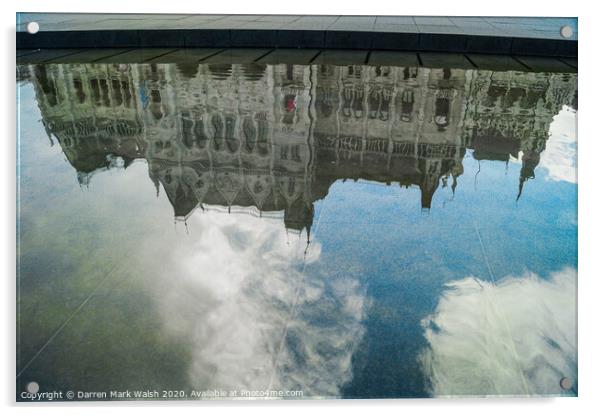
33	28
566	31
32	387
566	383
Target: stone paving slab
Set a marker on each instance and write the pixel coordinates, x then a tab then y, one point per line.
498	35
46	55
571	62
290	56
446	60
137	55
186	55
342	57
496	63
230	56
23	52
393	58
90	55
538	64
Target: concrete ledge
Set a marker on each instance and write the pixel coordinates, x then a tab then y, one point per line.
306	39
297	56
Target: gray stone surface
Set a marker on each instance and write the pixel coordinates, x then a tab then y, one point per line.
137	55
267	56
535	27
43	56
393	58
538	64
290	56
229	56
342	57
496	63
90	55
186	55
445	60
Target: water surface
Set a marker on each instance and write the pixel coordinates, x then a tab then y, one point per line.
338	231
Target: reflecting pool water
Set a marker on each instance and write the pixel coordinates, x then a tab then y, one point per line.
200	231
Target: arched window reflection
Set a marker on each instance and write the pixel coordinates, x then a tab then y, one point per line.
358	103
410	73
79	91
324	102
231	139
382	70
220	71
187	137
373	102
188	69
47	85
353	102
250	133
407	105
290	108
125	85
155	105
512	96
199	133
262	137
385	101
117	95
531	98
218	131
493	94
104	92
442	113
253	71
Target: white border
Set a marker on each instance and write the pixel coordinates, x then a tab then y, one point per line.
590	209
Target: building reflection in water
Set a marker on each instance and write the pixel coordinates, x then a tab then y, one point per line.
274	138
266	139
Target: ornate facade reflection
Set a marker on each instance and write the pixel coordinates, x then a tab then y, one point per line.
275	138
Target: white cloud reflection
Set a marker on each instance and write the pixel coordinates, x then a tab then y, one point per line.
560	155
517	337
228	290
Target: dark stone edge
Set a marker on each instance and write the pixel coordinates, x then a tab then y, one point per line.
307	39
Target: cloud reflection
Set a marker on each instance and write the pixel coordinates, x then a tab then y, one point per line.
560	157
517	337
230	291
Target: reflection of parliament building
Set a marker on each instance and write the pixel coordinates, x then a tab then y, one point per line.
274	138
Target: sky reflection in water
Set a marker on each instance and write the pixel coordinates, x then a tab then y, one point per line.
344	231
